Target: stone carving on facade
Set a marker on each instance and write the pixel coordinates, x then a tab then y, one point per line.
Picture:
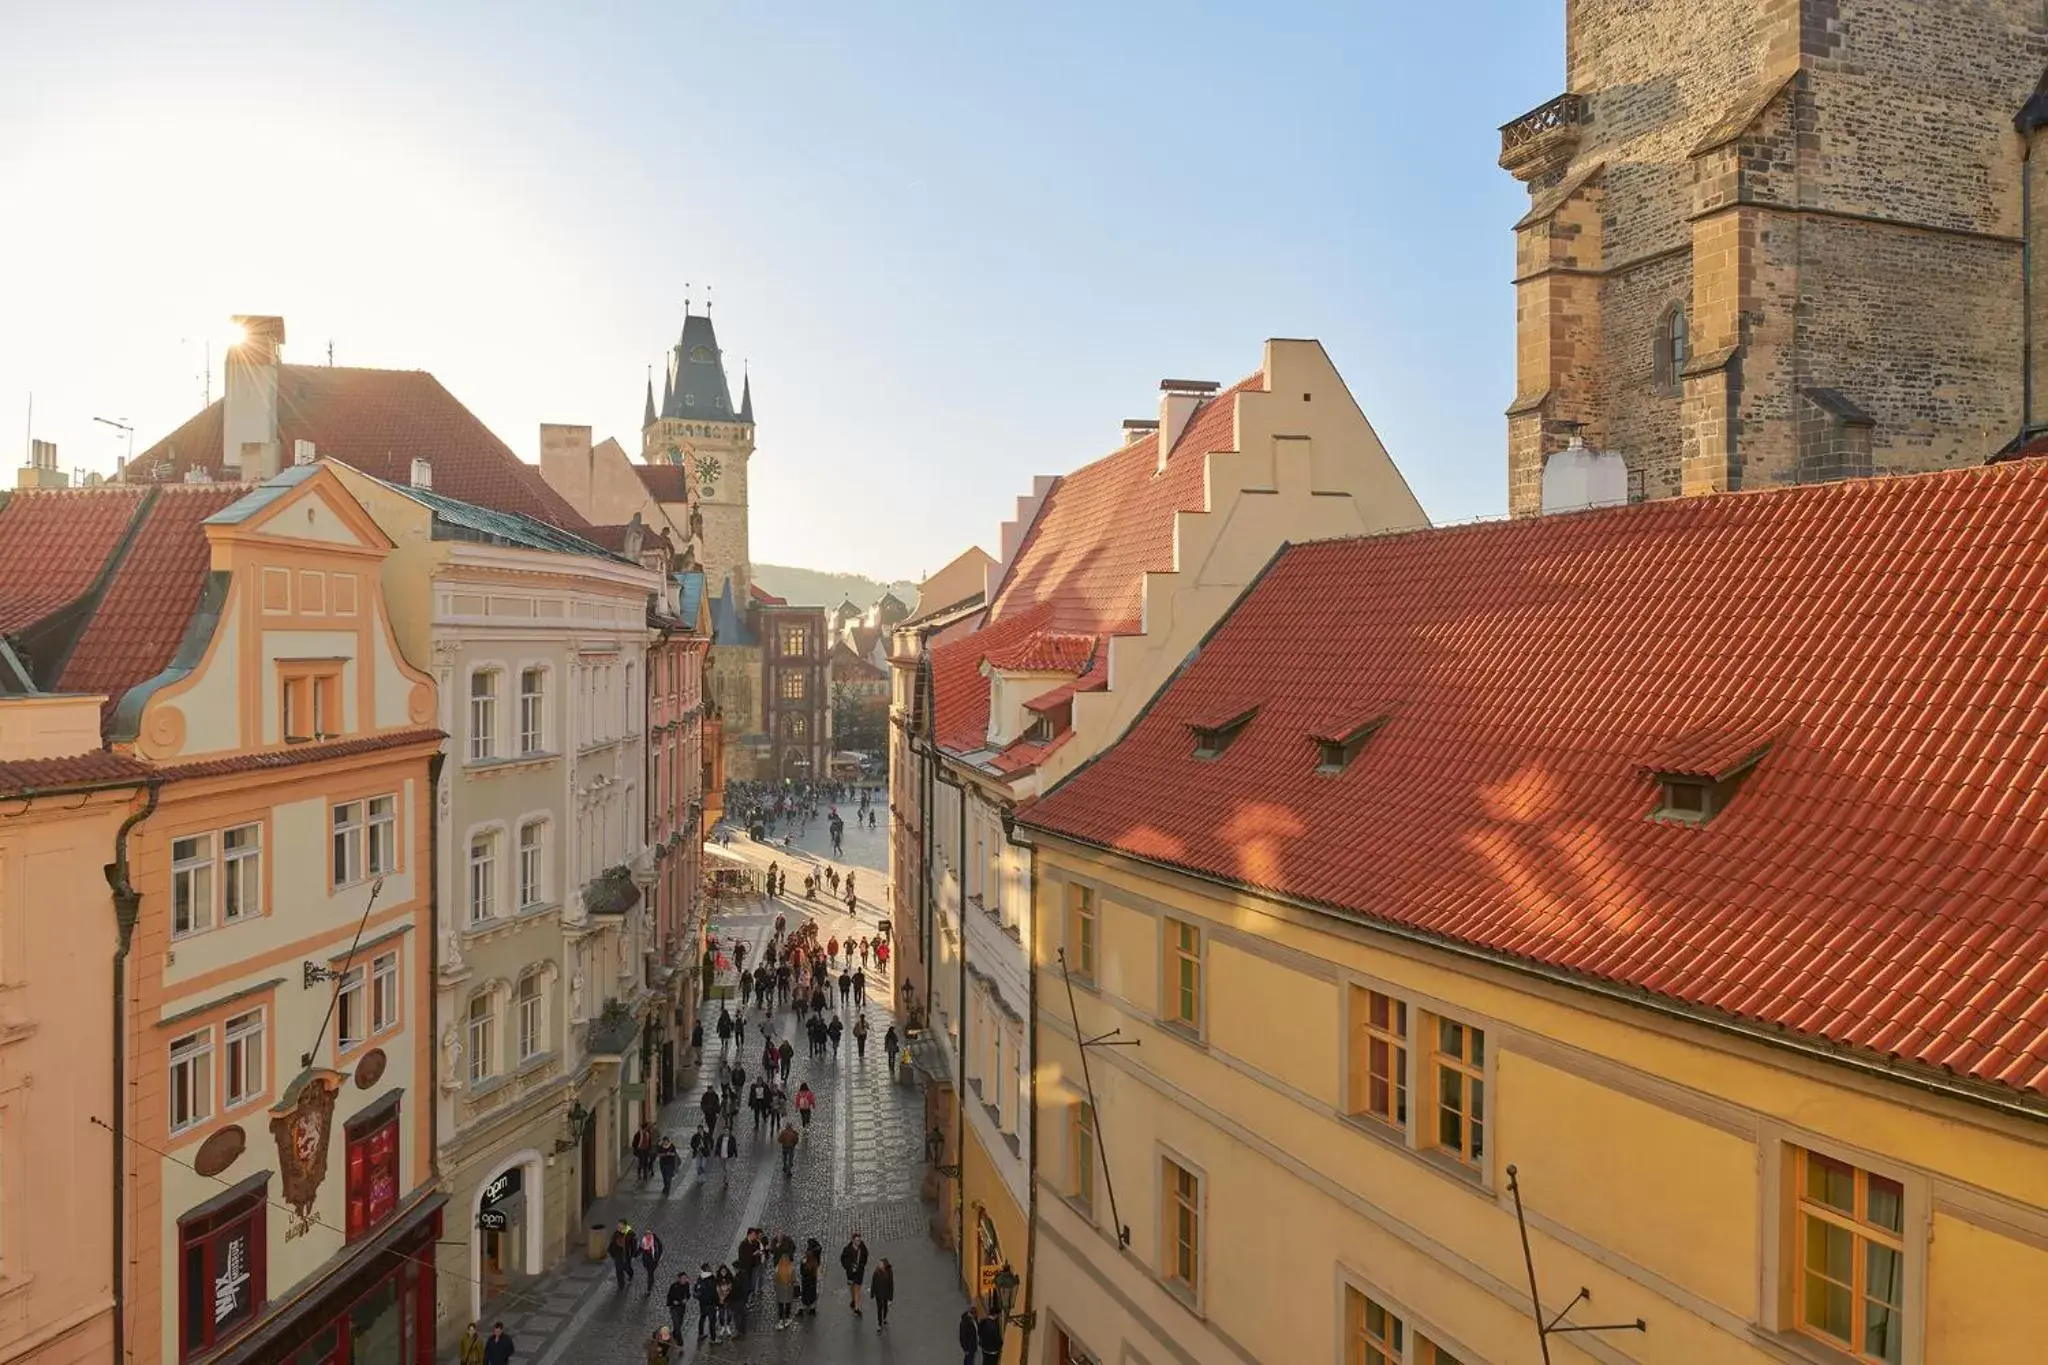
576	1015
451	1051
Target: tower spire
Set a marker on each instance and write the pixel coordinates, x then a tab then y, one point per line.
746	394
648	420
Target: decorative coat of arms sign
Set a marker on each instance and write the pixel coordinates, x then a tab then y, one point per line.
301	1121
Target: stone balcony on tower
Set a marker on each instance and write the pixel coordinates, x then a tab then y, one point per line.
1542	142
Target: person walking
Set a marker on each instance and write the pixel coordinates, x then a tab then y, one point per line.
860	1037
970	1337
724	1030
889	1043
725	1288
709	1104
643	1150
498	1347
621	1251
697	1040
669	1159
807	1275
470	1350
785	1291
739	1031
650	1256
678	1299
882	1288
700	1149
806	1100
659	1346
789	1139
845	985
707	1303
785	1054
860	986
835	1031
853	1259
728	1148
990	1332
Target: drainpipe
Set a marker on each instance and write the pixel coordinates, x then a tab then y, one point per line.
960	1050
2031	117
440	756
1029	1313
127	910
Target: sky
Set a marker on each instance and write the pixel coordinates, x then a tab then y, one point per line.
955	244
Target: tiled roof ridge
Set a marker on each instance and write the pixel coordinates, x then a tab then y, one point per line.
107	767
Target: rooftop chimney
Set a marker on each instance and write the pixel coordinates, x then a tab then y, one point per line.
303	452
249	440
422	473
1579	477
1178	399
1138	428
41	470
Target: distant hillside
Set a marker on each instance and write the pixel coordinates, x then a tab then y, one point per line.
816	588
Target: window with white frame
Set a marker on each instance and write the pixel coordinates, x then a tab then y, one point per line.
532	1017
242	873
482	1037
191	1080
483	876
384	992
348	843
533	710
483	715
245	1051
383	835
191	884
532	863
350	1017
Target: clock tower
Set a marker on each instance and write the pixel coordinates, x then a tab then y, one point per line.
699	429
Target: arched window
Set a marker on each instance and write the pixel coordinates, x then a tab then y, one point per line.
1673	348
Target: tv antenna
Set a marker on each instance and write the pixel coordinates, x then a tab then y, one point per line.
1557	1325
122	425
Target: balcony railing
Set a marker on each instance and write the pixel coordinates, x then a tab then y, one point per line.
1544	139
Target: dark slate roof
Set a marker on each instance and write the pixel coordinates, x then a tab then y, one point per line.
728	626
456	520
697	387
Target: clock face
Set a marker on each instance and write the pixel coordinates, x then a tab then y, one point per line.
708	469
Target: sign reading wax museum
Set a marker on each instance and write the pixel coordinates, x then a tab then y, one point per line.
501	1189
491	1220
234	1297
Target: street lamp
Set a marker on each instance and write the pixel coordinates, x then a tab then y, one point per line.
1004	1296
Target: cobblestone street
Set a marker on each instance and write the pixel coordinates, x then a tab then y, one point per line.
859	1169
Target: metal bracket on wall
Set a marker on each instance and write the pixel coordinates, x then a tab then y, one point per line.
1109	1039
1546	1330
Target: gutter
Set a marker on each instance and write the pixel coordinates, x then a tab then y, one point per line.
1871	1065
1029	1315
127	910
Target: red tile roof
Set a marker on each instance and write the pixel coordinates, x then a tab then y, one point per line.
765	597
378	421
150	601
1082	566
1880	880
103	768
665	482
53	545
1046	651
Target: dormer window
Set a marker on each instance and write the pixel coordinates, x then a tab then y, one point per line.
1335	751
1213	738
1699	774
1041	730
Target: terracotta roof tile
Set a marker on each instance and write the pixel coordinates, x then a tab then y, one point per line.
665	482
1082	566
149	603
378	421
106	767
53	545
1875	881
23	775
1046	651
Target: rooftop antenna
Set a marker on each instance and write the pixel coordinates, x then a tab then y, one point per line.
707	300
686	298
330	353
122	426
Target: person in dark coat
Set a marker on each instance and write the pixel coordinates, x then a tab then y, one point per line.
882	1288
650	1255
679	1295
707	1302
807	1275
697	1040
835	1032
970	1337
709	1104
853	1259
621	1251
785	1055
990	1331
498	1346
669	1159
724	1030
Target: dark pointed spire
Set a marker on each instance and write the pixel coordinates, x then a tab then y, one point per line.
699	392
648	420
747	397
667	389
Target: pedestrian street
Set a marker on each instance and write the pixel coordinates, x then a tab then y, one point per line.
858	1168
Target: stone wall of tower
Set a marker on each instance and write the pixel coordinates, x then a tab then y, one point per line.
1831	188
721	496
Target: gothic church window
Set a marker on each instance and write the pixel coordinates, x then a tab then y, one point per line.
1673	341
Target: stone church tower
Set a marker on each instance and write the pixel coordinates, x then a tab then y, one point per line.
698	428
1775	241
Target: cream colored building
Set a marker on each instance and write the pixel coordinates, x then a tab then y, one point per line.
1108	577
537	642
1432	903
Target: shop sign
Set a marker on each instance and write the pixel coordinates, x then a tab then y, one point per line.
504	1187
301	1122
491	1220
633	1090
233	1285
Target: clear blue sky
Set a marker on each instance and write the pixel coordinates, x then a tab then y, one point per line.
959	243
